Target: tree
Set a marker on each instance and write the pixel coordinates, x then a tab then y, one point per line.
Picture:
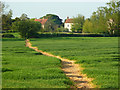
32	19
53	18
16	19
78	23
5	16
3	7
24	17
113	17
27	28
87	26
52	23
7	21
0	16
50	26
105	20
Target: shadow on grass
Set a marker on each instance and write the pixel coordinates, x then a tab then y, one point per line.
116	59
6	70
5	63
19	52
13	39
38	53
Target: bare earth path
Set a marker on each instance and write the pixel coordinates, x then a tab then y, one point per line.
72	70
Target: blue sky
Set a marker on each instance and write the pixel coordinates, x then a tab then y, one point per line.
62	9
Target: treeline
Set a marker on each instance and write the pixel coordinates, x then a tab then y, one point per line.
53	24
105	20
7	17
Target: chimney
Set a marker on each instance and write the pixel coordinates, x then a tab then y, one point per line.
67	17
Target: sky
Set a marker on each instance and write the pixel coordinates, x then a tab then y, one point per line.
62	8
55	0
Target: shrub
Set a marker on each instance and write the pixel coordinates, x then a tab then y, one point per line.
27	28
8	36
62	29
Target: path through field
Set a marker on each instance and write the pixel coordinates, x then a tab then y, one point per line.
72	70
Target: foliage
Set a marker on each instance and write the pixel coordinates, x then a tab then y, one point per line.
87	26
16	19
24	17
54	18
99	56
52	23
32	19
3	7
24	68
5	17
8	36
78	23
26	28
16	35
6	20
50	26
62	29
104	20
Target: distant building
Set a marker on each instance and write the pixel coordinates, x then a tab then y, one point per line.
68	24
42	21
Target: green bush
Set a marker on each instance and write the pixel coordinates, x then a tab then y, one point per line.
27	28
62	29
8	36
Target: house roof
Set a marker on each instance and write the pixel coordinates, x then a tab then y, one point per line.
42	21
68	21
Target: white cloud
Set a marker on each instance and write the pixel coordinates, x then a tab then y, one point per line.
55	0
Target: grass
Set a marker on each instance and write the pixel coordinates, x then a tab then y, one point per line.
24	68
98	55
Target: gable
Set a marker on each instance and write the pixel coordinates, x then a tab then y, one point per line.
69	21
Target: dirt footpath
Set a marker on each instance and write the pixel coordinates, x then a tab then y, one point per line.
72	70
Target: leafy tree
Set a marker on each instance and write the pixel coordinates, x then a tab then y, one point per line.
5	16
27	28
3	7
7	21
24	17
0	7
52	23
50	26
0	17
87	26
32	19
53	18
105	20
16	19
78	23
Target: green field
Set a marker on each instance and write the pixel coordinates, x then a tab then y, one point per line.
98	55
24	68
